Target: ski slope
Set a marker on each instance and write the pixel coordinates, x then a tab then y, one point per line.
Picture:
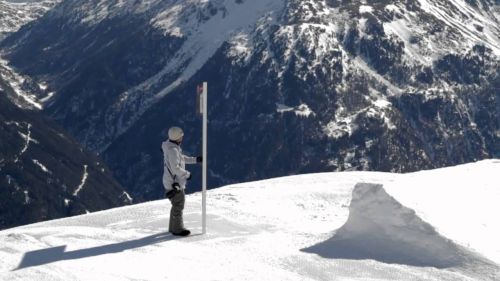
431	225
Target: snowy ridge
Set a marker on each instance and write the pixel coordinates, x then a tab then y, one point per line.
287	228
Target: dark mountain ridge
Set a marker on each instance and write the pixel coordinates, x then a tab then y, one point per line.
44	174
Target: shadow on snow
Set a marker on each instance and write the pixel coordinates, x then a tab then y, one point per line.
380	228
54	254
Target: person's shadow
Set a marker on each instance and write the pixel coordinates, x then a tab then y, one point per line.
54	254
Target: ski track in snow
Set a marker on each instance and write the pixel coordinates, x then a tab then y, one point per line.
41	166
26	136
28	139
305	227
82	183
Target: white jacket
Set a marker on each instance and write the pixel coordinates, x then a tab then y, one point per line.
174	165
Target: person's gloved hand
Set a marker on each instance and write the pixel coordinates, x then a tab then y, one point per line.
189	178
199	159
176	186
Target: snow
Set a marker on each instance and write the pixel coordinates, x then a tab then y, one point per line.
127	197
41	166
403	30
15	81
43	86
431	225
281	108
380	228
27	198
365	9
241	46
464	27
302	110
47	98
362	65
26	136
203	38
391	8
463	22
340	127
14	14
82	183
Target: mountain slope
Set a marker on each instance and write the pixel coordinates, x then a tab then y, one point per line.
16	13
44	174
337	85
283	229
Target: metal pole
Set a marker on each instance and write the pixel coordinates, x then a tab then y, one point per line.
205	160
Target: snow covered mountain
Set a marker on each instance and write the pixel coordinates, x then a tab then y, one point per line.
16	13
295	85
13	15
44	174
438	225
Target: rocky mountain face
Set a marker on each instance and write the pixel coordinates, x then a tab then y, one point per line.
295	86
44	174
16	13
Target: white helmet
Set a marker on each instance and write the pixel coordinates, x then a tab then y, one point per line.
175	133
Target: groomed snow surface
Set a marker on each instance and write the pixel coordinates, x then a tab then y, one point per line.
431	225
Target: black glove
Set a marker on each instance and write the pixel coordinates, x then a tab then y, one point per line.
189	178
176	186
199	159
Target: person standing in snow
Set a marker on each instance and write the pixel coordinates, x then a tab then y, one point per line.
175	177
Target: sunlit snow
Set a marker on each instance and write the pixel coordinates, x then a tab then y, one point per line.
431	225
82	183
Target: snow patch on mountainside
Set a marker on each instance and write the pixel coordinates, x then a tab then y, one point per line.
474	26
26	136
82	183
39	164
365	9
302	110
15	82
235	21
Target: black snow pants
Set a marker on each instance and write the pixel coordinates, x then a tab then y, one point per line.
176	223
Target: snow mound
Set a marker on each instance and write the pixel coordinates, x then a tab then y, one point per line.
382	229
